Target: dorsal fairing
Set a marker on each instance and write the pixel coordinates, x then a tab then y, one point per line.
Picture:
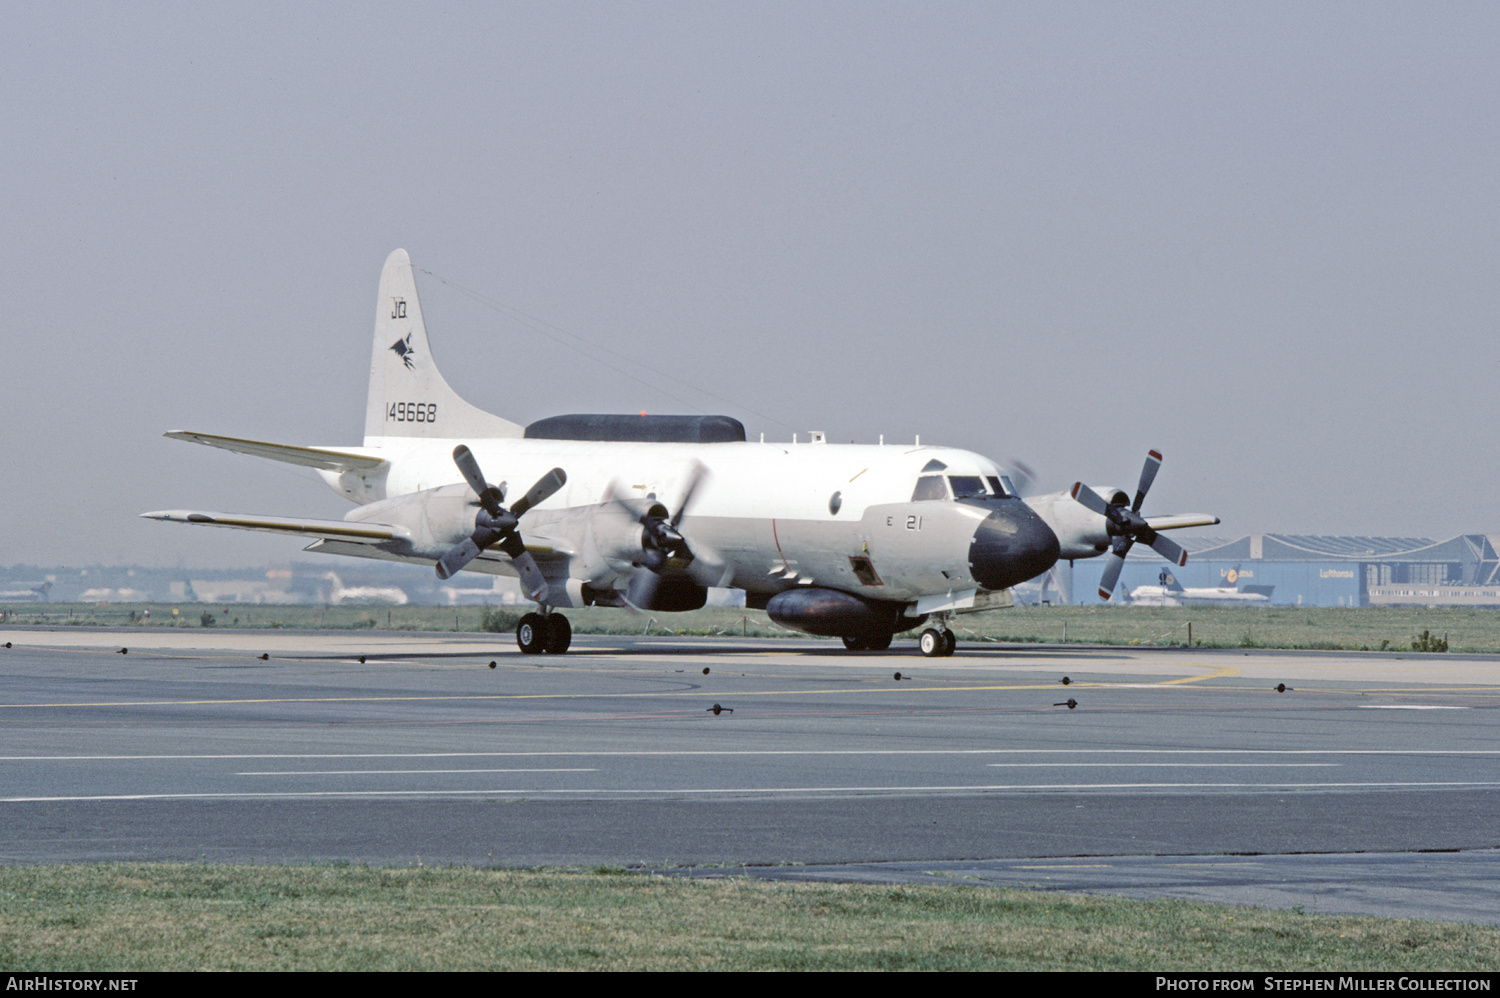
408	395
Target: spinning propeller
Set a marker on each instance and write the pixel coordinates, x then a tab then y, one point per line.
494	524
1126	525
663	548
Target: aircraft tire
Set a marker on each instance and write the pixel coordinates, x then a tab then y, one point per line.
880	643
855	642
559	634
530	634
950	642
930	643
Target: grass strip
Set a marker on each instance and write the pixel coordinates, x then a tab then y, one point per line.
1390	629
146	917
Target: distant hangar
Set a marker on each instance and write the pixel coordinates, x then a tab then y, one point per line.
1313	570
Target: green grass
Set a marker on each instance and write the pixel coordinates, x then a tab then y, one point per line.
1467	629
140	917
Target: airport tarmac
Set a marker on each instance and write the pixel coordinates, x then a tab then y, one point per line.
1368	784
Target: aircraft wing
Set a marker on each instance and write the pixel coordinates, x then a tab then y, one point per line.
359	532
1178	520
364	539
311	457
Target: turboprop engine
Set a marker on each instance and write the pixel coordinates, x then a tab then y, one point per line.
447	525
1090	521
642	539
436	519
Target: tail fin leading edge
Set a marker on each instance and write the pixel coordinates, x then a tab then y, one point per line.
408	395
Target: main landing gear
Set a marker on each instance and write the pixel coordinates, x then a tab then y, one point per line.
544	632
934	642
868	642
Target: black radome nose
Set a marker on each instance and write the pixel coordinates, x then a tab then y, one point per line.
1012	545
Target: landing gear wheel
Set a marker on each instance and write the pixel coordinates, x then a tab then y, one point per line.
930	643
531	633
856	643
880	643
559	634
950	641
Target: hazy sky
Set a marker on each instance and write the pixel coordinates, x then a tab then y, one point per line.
1263	238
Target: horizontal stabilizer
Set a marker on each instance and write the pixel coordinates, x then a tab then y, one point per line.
344	530
310	457
1178	520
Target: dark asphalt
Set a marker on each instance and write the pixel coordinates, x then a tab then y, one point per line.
967	773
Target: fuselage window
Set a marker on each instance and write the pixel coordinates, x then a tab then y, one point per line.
929	487
968	487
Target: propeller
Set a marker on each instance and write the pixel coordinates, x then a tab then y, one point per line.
1126	526
1022	477
663	548
494	524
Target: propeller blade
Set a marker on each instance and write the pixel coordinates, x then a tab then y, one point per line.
1091	499
640	591
464	458
489	496
540	492
696	474
1111	576
1148	475
532	579
453	562
1167	548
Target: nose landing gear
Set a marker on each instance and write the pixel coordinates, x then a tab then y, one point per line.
937	642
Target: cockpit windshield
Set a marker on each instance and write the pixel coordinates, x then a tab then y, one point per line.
937	487
968	487
929	487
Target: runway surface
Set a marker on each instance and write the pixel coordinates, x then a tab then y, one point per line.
1369	784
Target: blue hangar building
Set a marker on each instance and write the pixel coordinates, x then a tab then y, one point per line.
1307	570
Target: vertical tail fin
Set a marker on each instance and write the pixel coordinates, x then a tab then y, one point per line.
408	395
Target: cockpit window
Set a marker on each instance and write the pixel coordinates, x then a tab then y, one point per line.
1010	488
934	465
930	487
999	488
968	487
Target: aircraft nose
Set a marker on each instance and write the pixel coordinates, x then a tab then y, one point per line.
1012	545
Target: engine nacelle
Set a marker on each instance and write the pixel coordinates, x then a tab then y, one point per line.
1081	533
669	594
436	518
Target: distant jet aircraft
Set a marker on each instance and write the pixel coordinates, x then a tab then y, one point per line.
35	592
1171	593
860	542
339	594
